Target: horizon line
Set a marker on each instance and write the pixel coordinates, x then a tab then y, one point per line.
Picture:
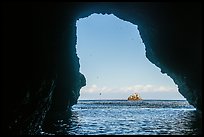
127	99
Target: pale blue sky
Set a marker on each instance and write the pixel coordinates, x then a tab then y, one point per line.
112	58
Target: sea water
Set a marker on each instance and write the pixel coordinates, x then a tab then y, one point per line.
123	117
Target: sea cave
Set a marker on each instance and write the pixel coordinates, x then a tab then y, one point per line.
41	67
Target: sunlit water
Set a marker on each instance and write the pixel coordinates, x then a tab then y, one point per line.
122	117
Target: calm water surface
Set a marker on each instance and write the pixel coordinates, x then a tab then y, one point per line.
122	117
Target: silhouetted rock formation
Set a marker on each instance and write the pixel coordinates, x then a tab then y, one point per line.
42	68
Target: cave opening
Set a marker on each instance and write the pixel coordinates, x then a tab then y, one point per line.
112	58
42	66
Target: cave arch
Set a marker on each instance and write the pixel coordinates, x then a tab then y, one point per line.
41	64
137	50
156	31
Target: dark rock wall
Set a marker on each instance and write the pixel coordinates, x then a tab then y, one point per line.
41	68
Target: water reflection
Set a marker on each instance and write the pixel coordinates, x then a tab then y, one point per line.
183	122
60	123
193	122
123	120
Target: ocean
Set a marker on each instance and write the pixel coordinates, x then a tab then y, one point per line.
123	117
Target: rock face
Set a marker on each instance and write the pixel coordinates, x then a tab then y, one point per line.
41	68
134	97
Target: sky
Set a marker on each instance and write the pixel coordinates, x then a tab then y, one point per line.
112	58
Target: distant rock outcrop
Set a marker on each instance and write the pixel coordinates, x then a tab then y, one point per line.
135	96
